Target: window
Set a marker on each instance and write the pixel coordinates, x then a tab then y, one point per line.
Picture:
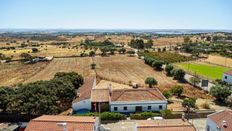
225	77
160	107
149	107
124	108
115	108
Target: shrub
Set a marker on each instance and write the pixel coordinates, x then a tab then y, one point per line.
111	116
157	64
194	81
143	115
150	81
92	53
229	101
167	94
205	105
177	90
168	69
166	113
34	50
93	66
179	74
189	102
220	93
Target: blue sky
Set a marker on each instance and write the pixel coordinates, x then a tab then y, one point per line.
116	14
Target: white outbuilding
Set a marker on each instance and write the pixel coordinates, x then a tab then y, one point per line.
227	77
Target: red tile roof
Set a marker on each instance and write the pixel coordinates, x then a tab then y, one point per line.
84	92
142	94
219	117
49	123
100	95
229	72
164	125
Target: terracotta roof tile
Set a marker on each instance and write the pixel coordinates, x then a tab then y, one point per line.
49	123
164	125
100	95
84	91
229	72
225	115
142	94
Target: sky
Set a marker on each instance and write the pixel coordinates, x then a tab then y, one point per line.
116	14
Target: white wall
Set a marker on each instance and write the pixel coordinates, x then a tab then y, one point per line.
84	104
131	106
211	124
229	78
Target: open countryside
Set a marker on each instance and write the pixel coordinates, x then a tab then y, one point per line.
115	65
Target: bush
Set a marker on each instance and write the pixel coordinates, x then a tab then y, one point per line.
229	101
112	116
150	81
166	113
157	64
167	94
92	53
179	74
220	93
177	90
168	69
189	102
143	115
34	50
205	105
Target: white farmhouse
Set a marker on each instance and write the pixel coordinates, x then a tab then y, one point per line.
137	100
219	121
227	76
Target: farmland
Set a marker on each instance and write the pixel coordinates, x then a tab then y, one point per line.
15	73
202	69
219	60
167	57
80	65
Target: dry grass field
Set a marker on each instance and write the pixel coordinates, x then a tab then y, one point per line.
80	65
15	73
219	60
167	41
119	69
122	69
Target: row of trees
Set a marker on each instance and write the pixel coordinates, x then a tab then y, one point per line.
177	74
41	97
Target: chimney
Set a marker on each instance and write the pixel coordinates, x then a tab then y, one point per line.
110	89
224	124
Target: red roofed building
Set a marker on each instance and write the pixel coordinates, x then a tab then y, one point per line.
164	125
62	123
137	100
220	121
227	76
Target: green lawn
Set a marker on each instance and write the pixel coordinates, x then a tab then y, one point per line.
206	70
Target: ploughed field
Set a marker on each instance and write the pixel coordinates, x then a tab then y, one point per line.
207	71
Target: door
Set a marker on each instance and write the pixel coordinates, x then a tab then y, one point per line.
138	109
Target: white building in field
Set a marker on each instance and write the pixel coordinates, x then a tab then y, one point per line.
227	77
219	121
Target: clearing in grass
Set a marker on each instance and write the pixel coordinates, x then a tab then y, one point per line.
205	70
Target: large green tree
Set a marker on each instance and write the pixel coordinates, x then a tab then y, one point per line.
220	93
